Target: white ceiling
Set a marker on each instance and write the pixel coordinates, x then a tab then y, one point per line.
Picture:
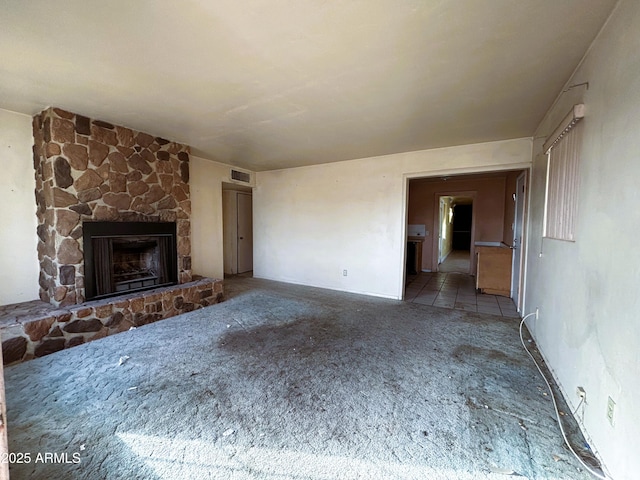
266	84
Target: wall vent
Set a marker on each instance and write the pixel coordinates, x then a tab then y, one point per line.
240	176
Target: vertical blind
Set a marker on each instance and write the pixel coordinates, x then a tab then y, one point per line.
563	182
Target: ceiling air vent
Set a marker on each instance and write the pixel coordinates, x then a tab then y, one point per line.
240	176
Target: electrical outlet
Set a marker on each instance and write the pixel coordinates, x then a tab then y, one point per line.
611	410
580	392
537	313
344	273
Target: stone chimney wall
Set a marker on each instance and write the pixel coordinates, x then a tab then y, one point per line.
89	170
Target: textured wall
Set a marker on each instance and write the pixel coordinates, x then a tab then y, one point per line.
18	258
586	291
312	223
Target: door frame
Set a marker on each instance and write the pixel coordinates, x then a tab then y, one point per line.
439	236
230	225
517	288
435	253
443	173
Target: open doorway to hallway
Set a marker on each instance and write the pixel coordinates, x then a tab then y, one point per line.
455	234
458	261
459	214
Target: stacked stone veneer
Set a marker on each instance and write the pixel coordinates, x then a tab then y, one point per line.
34	329
89	170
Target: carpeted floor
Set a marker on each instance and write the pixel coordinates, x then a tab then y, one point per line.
288	382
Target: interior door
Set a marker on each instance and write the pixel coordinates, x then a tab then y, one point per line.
518	223
245	233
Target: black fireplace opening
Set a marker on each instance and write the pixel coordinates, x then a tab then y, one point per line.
122	257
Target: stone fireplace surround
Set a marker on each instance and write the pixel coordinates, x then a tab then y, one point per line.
89	170
86	171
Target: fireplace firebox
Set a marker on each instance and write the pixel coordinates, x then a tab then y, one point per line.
122	257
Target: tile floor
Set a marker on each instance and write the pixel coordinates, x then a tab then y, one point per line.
457	291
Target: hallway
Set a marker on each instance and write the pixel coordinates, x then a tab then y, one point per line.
457	261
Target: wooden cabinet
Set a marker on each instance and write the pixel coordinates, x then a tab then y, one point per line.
414	255
493	275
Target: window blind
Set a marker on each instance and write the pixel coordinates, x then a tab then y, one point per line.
563	163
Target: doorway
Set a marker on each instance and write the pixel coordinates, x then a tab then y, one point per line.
237	218
455	233
488	200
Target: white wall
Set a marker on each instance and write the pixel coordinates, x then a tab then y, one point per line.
588	292
311	223
205	183
18	240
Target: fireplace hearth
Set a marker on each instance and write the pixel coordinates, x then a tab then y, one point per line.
123	257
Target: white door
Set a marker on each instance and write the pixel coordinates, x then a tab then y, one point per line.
245	233
517	239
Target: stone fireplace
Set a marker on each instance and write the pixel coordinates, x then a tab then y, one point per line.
114	229
92	171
